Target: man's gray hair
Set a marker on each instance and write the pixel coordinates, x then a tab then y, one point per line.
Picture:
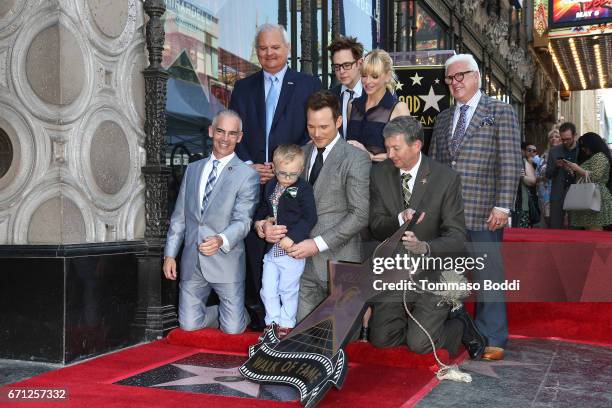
467	58
227	112
407	126
264	28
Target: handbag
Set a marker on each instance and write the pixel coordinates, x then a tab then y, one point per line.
583	196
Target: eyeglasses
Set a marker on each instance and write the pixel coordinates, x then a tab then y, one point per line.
222	132
286	175
457	77
532	150
345	66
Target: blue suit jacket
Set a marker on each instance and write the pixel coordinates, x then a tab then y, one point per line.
289	123
298	214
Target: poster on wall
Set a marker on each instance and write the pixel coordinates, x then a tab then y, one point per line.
567	13
424	91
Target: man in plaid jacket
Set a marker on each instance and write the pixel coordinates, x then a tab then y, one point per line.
480	139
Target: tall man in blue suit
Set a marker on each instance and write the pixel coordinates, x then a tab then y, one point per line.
212	216
271	103
480	139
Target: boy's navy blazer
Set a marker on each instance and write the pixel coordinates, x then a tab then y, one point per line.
298	214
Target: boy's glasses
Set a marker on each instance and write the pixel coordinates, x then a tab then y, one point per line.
286	175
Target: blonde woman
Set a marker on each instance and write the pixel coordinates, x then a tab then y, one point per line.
376	106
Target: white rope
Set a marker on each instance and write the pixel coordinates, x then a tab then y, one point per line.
445	372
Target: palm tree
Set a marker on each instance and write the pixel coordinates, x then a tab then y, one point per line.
282	13
306	40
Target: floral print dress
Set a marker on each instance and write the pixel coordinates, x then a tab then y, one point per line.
598	167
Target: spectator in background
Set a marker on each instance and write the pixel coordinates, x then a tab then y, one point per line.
526	211
558	173
594	163
544	184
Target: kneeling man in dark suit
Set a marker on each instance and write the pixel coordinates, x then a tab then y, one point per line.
410	180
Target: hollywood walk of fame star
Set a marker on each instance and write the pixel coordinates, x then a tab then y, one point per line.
228	377
431	100
487	368
416	79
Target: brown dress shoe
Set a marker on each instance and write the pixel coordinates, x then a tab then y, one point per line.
493	353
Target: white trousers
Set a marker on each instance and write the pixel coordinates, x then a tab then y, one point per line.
280	287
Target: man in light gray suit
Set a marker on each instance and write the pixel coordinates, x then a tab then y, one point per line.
212	216
340	175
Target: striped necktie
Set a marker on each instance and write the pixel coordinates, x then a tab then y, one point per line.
210	183
406	189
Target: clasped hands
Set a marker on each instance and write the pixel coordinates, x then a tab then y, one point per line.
410	240
272	233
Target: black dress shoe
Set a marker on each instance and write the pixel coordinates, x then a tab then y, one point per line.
364	334
472	339
257	320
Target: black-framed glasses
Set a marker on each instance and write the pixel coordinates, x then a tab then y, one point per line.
222	132
286	175
532	150
457	77
345	66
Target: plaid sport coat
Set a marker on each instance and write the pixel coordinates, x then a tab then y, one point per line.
489	158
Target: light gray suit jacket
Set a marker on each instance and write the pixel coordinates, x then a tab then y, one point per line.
342	196
230	210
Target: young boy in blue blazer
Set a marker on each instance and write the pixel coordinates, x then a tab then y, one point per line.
289	201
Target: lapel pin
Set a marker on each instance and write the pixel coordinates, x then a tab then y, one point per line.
424	181
289	83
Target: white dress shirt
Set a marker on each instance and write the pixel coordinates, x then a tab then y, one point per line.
204	179
413	173
321	244
357	89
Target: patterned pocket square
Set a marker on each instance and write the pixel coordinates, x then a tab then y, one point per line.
487	121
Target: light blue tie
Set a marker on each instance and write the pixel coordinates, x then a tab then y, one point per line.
271	101
459	130
210	183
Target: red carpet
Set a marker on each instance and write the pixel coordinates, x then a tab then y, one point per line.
385	378
358	353
90	384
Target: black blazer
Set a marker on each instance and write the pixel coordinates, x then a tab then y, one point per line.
298	214
289	123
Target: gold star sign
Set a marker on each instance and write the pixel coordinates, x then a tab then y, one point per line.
416	79
399	86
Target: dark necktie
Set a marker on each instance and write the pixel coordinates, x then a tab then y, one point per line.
459	130
316	167
345	119
406	189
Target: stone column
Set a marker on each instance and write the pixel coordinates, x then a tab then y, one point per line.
156	313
